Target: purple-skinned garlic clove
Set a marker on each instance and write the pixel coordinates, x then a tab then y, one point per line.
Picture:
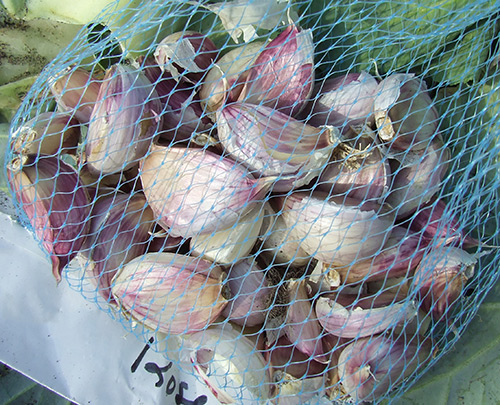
282	76
343	101
404	113
251	294
194	191
119	231
336	230
435	222
76	91
371	367
182	114
124	122
56	203
186	54
171	293
440	279
399	256
271	143
47	134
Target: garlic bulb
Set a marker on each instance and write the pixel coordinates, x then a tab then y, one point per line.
124	121
56	204
171	293
336	230
194	191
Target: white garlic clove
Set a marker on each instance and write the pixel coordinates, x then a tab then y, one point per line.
369	368
282	76
338	231
440	279
232	244
119	230
124	122
343	101
53	198
47	134
76	91
404	113
195	191
170	293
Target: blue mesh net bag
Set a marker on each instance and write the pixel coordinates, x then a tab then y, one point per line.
300	199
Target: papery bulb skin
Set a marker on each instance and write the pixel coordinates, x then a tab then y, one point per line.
124	121
195	191
53	198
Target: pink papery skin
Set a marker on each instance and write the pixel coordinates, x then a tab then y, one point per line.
195	191
57	206
282	76
171	293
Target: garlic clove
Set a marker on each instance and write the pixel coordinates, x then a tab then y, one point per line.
417	180
222	83
76	91
301	323
355	321
182	114
371	367
404	113
119	231
194	191
55	202
343	101
282	76
170	293
228	362
271	143
338	231
434	220
440	279
251	292
47	134
186	54
232	244
399	256
323	278
124	121
289	390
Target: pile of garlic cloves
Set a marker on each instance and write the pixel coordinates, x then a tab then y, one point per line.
289	231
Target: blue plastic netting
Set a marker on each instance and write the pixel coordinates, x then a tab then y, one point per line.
300	199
